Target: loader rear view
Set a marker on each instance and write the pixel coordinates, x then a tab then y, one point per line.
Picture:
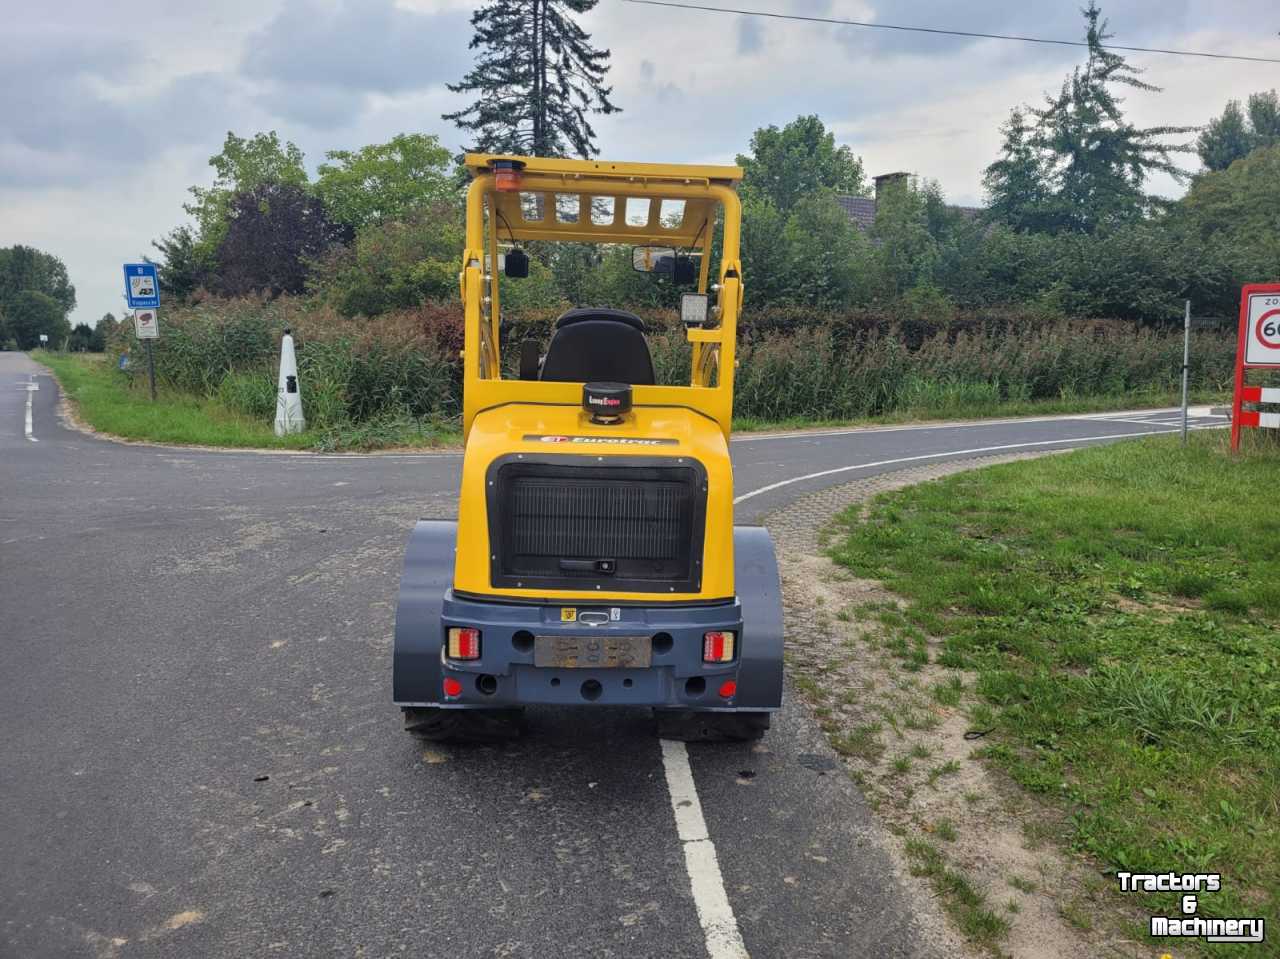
594	560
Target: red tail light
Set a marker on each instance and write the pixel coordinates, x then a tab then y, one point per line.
717	647
728	689
464	642
452	687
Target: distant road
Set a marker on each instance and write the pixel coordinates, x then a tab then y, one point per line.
199	757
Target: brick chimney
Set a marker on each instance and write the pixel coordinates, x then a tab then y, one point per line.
889	179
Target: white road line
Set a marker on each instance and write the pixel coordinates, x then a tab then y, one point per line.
935	456
719	927
32	386
1010	421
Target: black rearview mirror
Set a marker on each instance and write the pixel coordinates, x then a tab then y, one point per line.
516	265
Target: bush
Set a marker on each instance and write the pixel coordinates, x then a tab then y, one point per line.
924	357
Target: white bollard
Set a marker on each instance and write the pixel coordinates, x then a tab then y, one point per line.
288	394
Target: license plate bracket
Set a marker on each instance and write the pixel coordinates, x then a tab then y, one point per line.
592	652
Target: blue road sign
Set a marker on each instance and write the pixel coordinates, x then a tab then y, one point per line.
141	287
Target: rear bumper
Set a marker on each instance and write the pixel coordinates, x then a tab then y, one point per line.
505	674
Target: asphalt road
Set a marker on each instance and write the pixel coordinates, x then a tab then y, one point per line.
199	757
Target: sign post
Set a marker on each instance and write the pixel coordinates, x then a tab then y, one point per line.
142	292
1186	359
1258	348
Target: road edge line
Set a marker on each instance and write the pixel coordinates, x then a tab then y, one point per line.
1067	441
715	915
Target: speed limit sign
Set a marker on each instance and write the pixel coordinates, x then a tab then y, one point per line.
1259	348
1262	343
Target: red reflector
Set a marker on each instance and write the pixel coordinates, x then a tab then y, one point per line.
728	689
464	642
452	687
717	647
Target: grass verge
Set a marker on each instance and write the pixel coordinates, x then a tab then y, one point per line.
104	399
1119	608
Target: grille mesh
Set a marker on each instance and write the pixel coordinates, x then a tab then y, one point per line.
610	520
578	523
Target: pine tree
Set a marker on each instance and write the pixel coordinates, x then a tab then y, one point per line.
1264	118
1098	162
1017	190
537	79
1226	139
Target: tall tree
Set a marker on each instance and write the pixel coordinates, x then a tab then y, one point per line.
1238	132
906	251
385	181
537	78
1264	118
1225	139
242	165
273	231
1016	184
31	313
1099	162
26	268
103	331
788	165
185	265
81	339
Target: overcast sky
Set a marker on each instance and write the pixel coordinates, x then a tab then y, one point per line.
110	111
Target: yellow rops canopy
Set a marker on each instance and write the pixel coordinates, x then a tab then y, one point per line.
594	201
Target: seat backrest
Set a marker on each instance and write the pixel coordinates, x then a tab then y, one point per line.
597	345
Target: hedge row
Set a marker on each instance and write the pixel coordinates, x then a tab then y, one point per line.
793	364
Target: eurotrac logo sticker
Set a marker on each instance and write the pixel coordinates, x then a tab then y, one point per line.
1189	925
600	440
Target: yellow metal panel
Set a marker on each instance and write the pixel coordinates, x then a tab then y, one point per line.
502	431
478	163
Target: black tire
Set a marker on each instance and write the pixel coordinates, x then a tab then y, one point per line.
699	727
436	725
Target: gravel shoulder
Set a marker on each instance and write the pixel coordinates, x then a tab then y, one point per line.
905	737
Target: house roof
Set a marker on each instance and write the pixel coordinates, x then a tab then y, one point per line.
860	209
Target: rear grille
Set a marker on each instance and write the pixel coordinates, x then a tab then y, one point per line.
634	528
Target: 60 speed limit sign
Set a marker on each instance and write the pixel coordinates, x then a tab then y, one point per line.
1262	329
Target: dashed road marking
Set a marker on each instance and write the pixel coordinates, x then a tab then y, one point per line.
32	386
719	926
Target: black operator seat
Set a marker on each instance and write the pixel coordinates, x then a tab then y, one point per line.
599	345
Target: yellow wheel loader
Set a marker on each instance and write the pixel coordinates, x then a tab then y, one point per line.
594	561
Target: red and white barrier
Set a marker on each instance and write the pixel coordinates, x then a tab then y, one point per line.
1258	348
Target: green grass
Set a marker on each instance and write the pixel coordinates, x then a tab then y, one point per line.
1121	609
965	904
105	400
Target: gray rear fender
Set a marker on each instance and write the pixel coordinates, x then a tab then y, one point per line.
428	572
755	572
